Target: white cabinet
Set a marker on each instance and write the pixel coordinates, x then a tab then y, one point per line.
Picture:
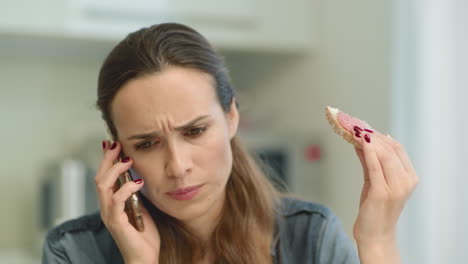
116	18
238	25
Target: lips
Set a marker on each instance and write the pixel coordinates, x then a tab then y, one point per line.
184	190
183	194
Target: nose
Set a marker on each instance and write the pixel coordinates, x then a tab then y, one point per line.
178	163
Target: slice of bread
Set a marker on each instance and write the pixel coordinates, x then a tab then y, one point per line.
343	124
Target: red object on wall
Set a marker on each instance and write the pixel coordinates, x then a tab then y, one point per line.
313	153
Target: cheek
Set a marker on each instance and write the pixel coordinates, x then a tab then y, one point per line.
153	176
217	157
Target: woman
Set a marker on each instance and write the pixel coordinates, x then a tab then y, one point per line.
167	100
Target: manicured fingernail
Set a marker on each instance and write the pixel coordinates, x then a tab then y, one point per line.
358	134
367	138
138	181
368	130
126	159
114	145
103	145
356	128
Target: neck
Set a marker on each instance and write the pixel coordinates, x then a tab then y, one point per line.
204	225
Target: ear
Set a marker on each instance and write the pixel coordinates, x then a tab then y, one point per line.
233	119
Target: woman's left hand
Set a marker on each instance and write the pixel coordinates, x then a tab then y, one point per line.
389	179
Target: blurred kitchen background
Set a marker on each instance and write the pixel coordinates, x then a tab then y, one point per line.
400	65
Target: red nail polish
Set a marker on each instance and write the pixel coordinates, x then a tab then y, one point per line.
126	159
138	181
114	145
103	145
367	138
358	134
356	128
368	130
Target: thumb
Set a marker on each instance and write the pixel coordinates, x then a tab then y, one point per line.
360	155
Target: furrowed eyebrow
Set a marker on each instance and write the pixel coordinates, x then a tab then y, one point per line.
156	133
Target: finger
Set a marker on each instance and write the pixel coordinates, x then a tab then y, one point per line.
394	146
121	196
397	148
410	175
360	155
390	162
107	184
400	150
376	177
105	145
366	183
110	155
410	178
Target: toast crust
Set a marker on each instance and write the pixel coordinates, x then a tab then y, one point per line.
331	115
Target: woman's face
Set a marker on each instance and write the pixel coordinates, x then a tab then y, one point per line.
178	136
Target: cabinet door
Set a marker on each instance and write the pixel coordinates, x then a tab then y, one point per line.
240	25
115	18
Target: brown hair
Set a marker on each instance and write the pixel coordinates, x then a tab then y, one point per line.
246	228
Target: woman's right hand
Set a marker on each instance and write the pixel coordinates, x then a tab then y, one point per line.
135	246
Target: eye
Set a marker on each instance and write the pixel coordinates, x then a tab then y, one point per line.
146	145
196	131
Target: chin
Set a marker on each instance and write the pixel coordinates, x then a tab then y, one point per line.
187	210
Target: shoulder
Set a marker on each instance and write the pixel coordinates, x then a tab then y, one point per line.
291	207
305	219
314	232
87	223
79	240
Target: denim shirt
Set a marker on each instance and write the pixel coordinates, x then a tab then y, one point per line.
308	233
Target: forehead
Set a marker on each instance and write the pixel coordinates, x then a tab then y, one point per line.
176	94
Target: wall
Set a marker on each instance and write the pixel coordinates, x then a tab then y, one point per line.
47	106
349	68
